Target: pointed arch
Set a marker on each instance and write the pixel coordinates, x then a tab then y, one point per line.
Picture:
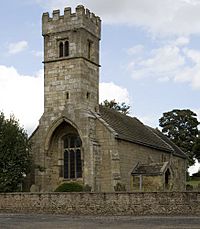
66	48
61	49
54	126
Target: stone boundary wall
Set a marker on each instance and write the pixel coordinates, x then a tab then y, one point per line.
135	203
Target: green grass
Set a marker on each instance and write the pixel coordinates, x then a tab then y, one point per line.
194	183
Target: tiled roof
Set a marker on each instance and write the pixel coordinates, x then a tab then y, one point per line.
151	169
177	151
131	129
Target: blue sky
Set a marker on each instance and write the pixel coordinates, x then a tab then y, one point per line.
150	55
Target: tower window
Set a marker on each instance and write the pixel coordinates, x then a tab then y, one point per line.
61	49
89	49
66	48
88	95
67	95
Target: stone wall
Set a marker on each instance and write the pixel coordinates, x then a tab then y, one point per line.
130	154
138	203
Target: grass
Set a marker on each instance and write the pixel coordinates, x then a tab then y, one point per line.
194	182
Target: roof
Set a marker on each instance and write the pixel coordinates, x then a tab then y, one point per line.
177	151
153	169
131	129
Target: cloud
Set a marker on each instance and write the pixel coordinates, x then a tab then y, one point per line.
112	91
166	17
22	96
171	62
17	47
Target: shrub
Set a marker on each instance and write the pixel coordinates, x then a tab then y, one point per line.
69	187
189	187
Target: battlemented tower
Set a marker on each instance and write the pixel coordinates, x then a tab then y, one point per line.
71	60
64	143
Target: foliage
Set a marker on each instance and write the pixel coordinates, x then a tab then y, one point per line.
181	126
14	154
123	108
69	187
189	187
196	148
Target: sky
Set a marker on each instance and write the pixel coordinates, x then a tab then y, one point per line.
150	56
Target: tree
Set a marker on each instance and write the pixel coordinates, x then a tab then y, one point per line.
14	154
181	126
123	108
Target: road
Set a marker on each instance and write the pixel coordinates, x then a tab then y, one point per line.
34	221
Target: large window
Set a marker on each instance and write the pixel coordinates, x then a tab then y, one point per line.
72	157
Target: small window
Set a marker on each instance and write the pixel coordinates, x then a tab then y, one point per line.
61	49
67	95
89	49
66	48
88	95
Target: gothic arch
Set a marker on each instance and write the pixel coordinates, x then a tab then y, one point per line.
54	126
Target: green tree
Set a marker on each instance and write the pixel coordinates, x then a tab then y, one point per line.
121	107
196	147
14	154
181	126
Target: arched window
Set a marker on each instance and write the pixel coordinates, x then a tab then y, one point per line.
72	157
61	49
167	178
66	48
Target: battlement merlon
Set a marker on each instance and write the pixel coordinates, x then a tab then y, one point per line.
82	18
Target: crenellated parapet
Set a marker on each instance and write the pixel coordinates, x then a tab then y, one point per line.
82	18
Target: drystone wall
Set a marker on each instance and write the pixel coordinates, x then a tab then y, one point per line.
138	203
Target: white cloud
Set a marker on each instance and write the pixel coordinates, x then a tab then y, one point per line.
112	91
172	61
22	96
17	47
164	17
194	168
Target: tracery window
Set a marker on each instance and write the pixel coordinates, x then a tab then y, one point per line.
72	157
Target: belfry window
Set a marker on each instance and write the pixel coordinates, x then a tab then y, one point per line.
63	48
66	48
72	157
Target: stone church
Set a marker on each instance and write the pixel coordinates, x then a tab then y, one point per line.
77	140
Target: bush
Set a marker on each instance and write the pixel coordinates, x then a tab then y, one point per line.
189	187
69	187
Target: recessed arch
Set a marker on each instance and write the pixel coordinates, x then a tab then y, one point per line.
54	126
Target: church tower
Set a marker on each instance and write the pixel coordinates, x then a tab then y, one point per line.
71	60
64	144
